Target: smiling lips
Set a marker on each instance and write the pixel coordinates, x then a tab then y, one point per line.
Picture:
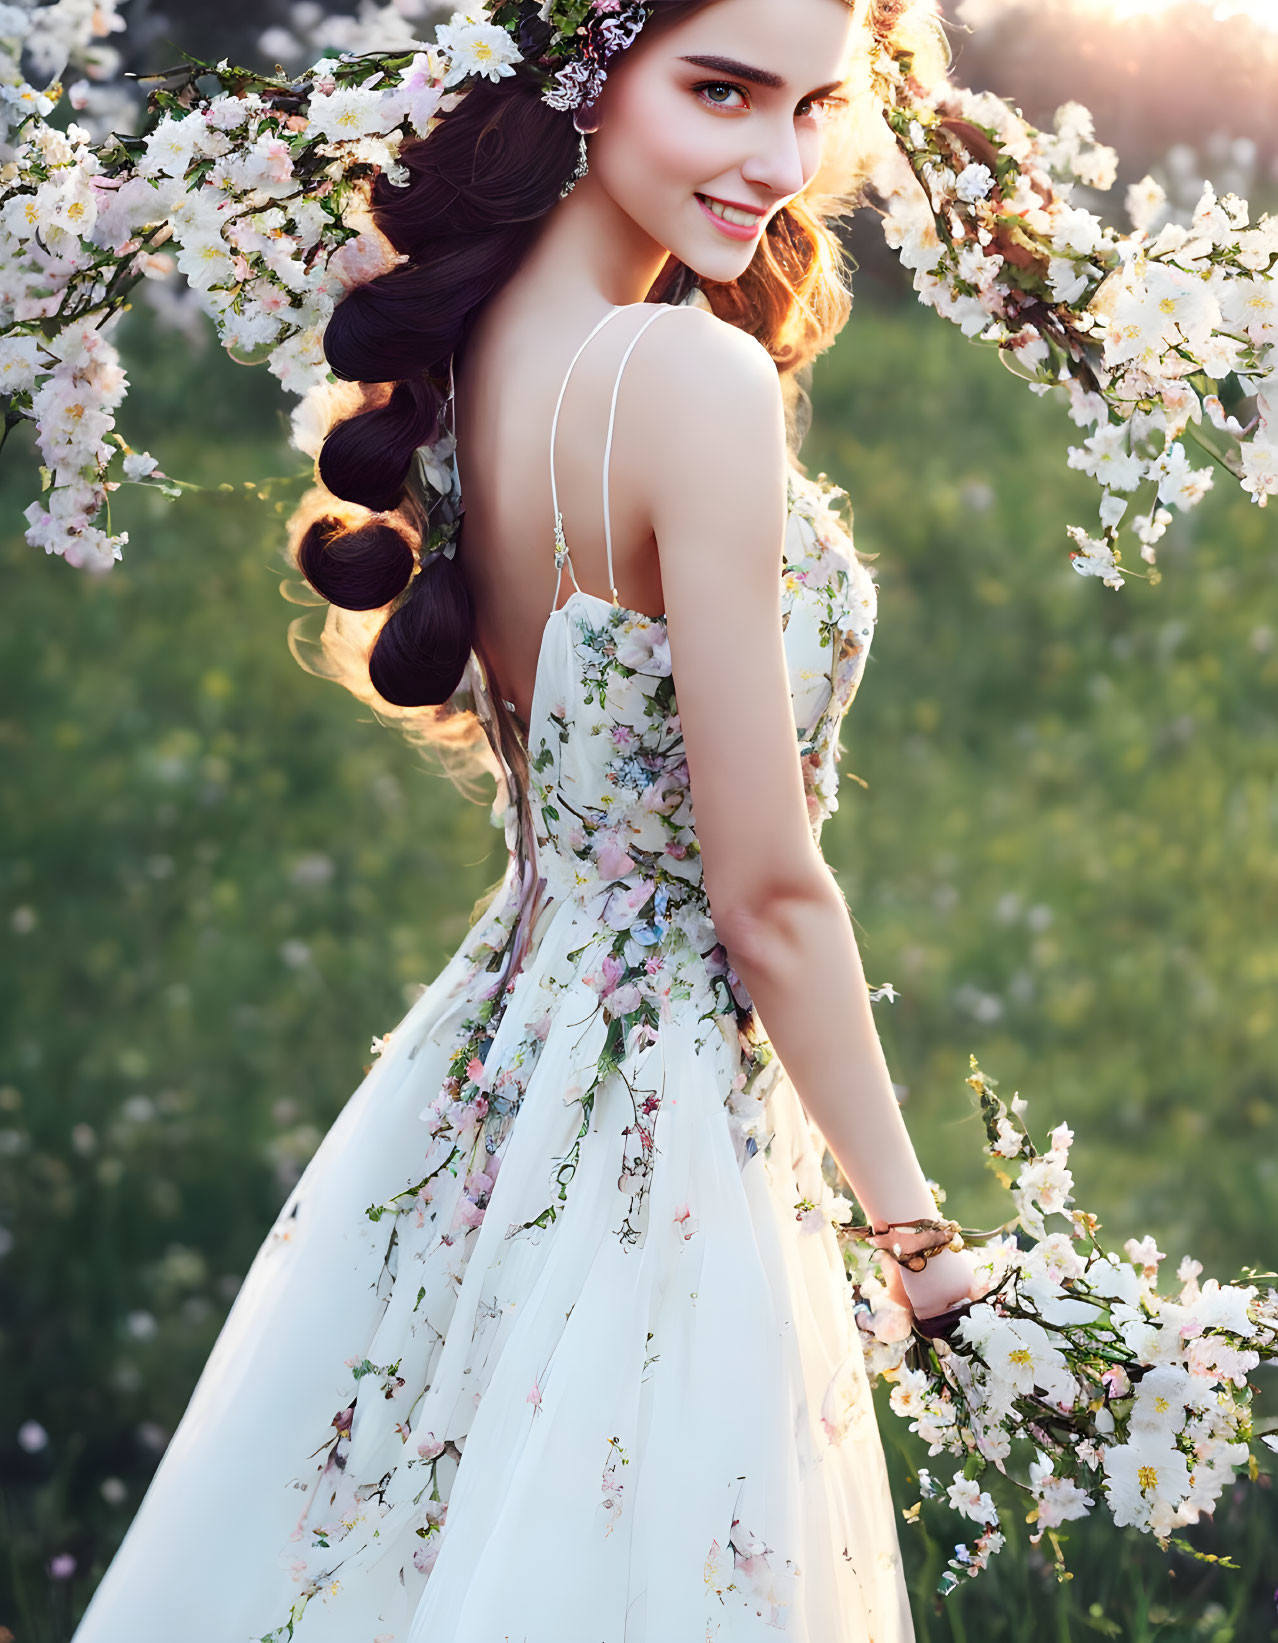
737	222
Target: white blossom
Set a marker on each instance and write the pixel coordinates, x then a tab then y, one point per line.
1145	1476
476	48
1260	469
974	182
1145	203
1059	1499
349	113
967	1496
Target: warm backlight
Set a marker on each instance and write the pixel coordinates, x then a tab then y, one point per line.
1259	11
979	12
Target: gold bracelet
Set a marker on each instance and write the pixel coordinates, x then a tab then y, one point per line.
917	1259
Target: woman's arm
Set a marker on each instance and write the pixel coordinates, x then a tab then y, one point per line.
716	461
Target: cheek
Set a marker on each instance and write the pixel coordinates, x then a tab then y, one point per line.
656	141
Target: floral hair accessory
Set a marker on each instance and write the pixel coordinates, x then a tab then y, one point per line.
579	39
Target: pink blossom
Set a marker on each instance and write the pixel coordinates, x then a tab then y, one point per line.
611	858
662	797
418	94
622	1000
270	298
890	1322
425	1553
468	1214
1211	1357
534	1397
277	158
642	1034
624	906
363	259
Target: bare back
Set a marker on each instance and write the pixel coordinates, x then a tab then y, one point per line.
513	385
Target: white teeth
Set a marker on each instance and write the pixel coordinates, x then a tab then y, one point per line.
729	213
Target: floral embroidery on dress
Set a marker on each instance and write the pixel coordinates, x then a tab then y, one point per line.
747	1570
614	838
613	1487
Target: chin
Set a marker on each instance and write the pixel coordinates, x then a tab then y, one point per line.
723	267
724	261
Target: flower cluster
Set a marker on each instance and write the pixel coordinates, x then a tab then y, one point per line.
253	188
1162	340
1073	1375
585	35
69	377
65	35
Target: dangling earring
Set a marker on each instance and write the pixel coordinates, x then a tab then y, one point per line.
583	166
583	163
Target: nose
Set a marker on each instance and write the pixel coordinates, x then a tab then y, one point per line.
777	161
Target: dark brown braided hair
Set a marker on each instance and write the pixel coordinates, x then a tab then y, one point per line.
477	188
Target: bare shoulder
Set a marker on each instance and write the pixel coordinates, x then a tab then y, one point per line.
706	394
704	357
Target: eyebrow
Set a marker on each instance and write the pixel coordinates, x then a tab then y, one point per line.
757	76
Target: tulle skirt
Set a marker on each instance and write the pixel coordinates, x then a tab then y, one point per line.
556	1422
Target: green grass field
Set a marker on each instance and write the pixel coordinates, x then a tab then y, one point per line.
222	877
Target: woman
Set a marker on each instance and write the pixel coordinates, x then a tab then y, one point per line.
576	1361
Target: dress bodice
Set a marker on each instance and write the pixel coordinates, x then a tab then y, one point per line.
608	778
603	812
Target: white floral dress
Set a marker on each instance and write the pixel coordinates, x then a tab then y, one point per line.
552	1342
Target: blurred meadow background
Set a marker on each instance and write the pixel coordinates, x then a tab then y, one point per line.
221	877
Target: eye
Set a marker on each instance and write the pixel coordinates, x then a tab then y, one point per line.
822	106
809	107
719	85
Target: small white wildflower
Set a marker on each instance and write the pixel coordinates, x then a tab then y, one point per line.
974	182
476	48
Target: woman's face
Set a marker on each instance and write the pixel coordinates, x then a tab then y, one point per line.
723	108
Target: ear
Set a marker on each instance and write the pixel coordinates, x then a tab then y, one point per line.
586	119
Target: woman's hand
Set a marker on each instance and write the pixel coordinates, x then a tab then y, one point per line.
947	1279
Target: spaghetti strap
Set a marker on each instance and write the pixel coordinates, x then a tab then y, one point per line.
561	547
612	422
